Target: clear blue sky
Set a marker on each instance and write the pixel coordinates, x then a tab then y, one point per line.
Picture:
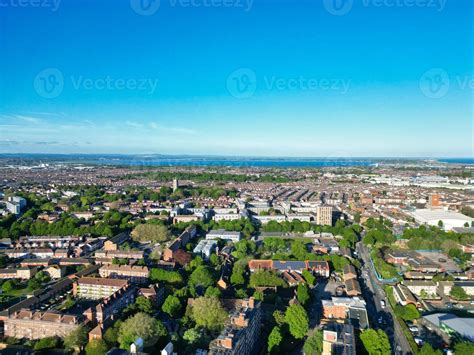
370	79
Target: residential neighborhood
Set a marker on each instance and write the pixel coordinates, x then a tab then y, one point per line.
173	262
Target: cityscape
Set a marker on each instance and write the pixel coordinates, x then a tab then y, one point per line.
236	177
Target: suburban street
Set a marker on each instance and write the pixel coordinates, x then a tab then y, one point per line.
373	293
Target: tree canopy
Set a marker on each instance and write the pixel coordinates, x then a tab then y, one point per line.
141	325
314	344
375	342
155	233
297	320
208	312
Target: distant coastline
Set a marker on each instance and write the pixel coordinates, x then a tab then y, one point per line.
158	160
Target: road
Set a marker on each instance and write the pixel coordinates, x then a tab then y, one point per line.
373	293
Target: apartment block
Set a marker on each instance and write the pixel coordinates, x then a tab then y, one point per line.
97	288
224	235
353	309
134	274
242	331
36	325
23	273
339	339
324	215
115	242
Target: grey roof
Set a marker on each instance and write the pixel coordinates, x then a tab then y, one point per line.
462	326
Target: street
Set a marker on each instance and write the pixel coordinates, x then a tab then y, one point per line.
373	293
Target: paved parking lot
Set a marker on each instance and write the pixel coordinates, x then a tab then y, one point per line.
449	265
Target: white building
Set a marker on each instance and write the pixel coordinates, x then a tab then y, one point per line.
15	204
266	219
224	235
205	248
450	219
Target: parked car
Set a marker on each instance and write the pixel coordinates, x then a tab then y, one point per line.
418	341
413	329
382	303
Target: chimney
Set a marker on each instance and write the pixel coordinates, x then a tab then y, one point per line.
251	302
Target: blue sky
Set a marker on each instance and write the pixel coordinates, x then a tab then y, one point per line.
238	77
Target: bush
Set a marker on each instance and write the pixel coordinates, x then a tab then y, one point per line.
96	347
46	343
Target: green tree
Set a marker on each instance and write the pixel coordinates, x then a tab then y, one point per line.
208	313
302	293
458	293
314	343
141	325
214	259
274	339
155	233
96	347
46	343
440	224
34	284
407	313
309	277
375	342
8	286
297	320
192	336
464	348
212	291
279	317
144	304
76	339
237	278
42	277
172	306
202	277
427	349
111	334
